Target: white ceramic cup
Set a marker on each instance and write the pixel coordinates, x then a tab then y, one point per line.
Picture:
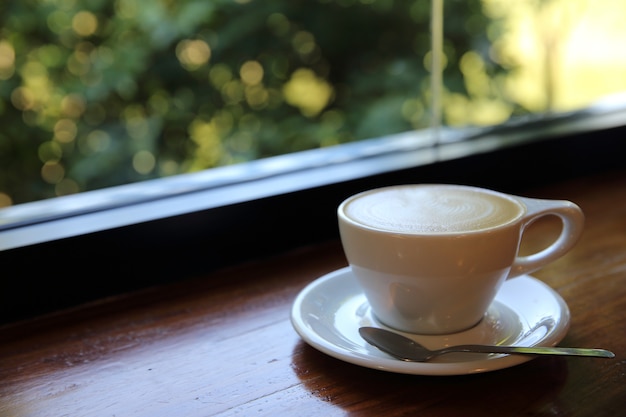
431	258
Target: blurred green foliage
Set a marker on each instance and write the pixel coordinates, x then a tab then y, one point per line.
96	93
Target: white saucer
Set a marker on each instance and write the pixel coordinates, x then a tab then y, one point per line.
526	312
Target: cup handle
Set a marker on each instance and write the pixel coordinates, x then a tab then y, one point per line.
572	222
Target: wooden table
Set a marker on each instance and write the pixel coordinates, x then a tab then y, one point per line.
223	344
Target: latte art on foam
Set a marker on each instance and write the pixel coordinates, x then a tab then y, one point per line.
431	209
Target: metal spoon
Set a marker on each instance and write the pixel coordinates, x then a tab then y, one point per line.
408	350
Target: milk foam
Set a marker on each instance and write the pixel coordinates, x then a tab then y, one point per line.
431	209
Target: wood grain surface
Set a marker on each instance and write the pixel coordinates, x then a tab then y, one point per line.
222	344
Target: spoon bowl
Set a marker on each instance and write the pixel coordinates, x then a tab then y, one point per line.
409	350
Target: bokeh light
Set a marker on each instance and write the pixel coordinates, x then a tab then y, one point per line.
65	131
219	75
144	162
193	54
7	60
59	21
23	98
84	23
66	186
52	172
308	92
303	42
73	105
5	200
207	137
251	72
94	142
233	92
257	96
50	151
279	24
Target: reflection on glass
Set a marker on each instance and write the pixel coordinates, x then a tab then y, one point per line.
436	66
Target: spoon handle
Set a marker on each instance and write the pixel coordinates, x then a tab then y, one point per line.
598	353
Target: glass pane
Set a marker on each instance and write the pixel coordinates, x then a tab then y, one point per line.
97	93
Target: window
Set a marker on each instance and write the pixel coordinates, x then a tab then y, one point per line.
138	234
99	94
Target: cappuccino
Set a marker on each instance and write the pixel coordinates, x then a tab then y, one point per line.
432	209
431	258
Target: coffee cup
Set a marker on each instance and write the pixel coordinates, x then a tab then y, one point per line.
431	258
